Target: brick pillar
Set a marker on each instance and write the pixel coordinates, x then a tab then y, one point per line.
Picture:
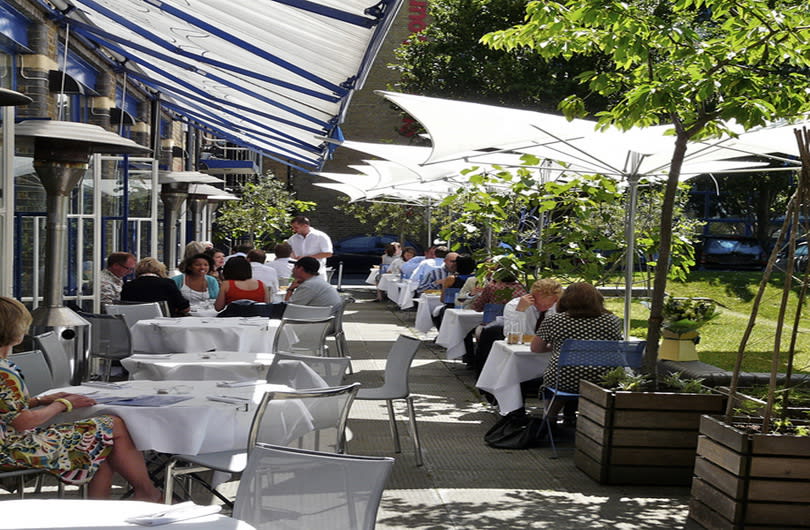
34	68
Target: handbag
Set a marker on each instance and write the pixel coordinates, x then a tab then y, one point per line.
516	430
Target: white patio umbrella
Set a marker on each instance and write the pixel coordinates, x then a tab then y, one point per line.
460	130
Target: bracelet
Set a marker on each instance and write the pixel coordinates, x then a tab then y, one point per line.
68	405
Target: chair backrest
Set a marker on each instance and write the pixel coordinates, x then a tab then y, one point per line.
314	419
601	356
285	489
307	312
135	312
302	336
34	369
56	357
449	295
110	337
397	366
294	374
491	312
331	369
251	308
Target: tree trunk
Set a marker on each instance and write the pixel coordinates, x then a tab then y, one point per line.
662	264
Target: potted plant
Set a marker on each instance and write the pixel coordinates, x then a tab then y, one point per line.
679	330
626	435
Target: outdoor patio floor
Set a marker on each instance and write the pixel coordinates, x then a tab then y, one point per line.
464	483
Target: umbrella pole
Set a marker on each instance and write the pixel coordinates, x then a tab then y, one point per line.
630	238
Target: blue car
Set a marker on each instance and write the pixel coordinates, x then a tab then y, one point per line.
359	253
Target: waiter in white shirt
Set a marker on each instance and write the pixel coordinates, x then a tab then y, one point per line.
307	241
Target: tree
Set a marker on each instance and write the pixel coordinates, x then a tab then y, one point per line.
263	213
447	60
691	63
406	221
571	229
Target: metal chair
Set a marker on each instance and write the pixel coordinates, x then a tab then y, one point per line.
135	312
321	416
336	331
608	354
395	386
331	369
285	489
302	336
110	339
307	312
56	357
34	369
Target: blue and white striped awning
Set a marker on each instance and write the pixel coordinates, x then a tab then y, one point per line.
268	74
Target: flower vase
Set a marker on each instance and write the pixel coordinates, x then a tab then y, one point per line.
678	346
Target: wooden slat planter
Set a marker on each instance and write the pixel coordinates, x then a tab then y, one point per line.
750	480
639	437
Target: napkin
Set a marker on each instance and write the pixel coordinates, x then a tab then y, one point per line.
236	384
178	512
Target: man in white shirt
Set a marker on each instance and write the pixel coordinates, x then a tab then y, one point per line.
261	272
309	242
283	265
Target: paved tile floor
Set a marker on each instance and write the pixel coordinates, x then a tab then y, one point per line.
464	484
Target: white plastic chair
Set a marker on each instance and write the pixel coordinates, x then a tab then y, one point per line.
292	489
395	386
34	369
56	357
110	339
302	336
331	369
326	408
135	312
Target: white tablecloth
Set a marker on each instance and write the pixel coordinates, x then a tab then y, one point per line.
371	279
507	366
406	291
194	334
427	303
455	326
197	425
221	366
76	514
202	366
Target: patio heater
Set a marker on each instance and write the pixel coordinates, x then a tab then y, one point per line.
10	98
199	197
174	190
61	154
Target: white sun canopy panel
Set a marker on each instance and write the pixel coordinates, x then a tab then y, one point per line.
272	74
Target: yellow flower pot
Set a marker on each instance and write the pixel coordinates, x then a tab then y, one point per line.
678	346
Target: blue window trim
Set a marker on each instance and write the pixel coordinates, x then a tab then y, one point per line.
76	67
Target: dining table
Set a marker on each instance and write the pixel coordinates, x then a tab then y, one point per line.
424	312
507	366
189	417
373	273
456	324
193	334
229	366
85	514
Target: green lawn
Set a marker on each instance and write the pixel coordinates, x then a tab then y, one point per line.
720	339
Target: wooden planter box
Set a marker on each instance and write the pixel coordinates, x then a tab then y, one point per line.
750	480
640	437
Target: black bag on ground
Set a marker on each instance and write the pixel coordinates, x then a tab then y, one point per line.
516	430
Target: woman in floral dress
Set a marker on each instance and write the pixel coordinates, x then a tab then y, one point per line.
88	450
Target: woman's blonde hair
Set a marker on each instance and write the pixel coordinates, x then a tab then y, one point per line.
546	287
150	266
14	321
